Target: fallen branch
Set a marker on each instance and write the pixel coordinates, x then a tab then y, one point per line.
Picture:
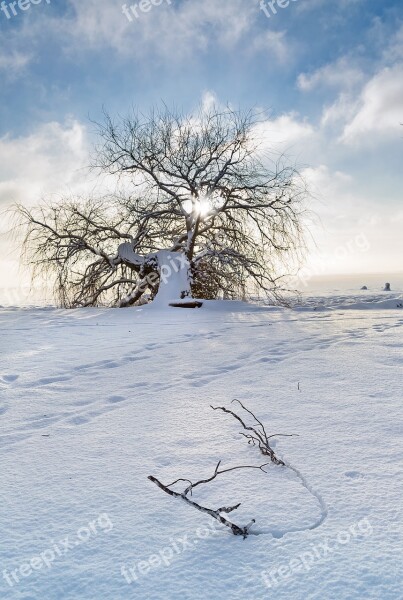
260	437
257	436
216	514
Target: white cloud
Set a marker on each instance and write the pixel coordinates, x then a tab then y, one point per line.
353	236
273	44
284	131
44	162
341	74
380	108
209	101
391	43
14	61
49	162
341	111
172	31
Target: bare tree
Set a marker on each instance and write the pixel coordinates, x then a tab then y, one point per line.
204	204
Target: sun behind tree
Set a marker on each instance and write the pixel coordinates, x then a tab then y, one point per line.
204	204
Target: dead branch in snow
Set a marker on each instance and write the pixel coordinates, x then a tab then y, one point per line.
258	433
216	514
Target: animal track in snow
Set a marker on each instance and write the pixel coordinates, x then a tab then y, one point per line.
354	474
78	420
8	378
115	399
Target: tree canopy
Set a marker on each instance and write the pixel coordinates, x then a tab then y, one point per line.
198	187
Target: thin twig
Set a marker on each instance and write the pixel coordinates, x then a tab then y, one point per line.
259	437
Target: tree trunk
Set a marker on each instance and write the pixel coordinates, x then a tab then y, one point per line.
173	269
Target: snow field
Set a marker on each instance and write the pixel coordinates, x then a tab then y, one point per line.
93	401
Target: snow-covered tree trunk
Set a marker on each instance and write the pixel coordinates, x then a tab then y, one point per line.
173	270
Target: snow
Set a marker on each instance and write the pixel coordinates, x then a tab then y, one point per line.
173	268
174	277
94	401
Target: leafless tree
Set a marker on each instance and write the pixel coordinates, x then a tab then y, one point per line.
198	188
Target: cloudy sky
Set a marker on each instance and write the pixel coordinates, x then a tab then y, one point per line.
328	74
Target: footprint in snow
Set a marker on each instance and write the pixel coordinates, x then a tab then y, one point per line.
41	422
8	378
132	359
115	399
82	402
201	383
354	475
162	461
78	421
8	440
50	380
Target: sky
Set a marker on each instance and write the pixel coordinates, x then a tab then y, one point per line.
328	75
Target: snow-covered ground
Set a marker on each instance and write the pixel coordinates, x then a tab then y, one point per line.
94	401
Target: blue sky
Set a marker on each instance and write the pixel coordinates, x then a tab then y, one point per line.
328	73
